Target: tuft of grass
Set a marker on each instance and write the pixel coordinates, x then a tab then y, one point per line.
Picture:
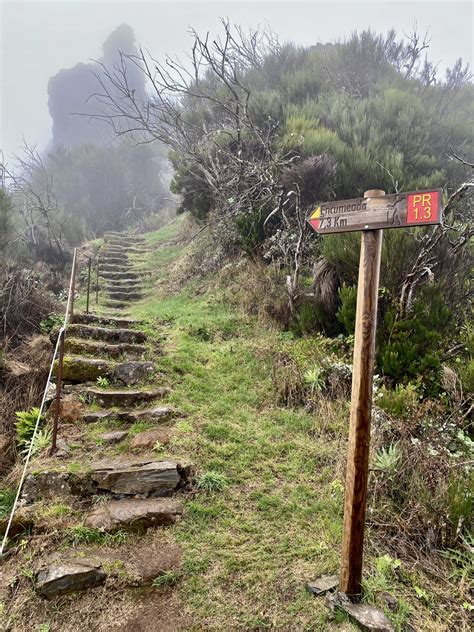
79	534
7	498
212	481
166	579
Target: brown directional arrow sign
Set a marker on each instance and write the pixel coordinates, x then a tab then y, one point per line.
418	208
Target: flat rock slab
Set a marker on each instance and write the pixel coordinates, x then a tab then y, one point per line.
134	514
133	372
158	414
62	578
149	438
113	437
323	584
116	335
369	618
126	397
159	478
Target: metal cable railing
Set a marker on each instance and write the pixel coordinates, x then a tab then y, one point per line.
59	348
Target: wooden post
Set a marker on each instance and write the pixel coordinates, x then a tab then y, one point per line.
59	380
361	408
97	284
88	284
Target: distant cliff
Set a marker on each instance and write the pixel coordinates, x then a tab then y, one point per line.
70	89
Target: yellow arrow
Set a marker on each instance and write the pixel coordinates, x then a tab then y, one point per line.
316	214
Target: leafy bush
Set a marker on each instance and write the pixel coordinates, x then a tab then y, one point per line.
400	402
51	322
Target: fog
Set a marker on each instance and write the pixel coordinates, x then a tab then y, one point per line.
49	45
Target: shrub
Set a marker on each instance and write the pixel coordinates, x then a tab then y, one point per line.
347	310
400	402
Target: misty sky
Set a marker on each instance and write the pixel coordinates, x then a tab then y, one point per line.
39	38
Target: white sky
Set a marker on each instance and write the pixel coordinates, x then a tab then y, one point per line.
39	38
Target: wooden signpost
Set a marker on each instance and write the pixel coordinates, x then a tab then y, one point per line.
369	214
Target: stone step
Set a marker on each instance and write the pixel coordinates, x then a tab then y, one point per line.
101	320
118	305
114	275
116	335
78	369
139	477
114	267
136	286
111	235
68	576
76	346
126	249
157	414
123	398
114	260
130	295
134	515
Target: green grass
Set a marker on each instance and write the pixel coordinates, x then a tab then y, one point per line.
268	513
267	518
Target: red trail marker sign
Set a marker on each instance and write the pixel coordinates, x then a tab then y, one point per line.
370	215
396	210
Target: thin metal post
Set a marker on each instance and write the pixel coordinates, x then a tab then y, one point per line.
88	284
59	380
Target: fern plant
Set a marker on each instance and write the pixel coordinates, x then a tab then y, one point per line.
25	426
41	441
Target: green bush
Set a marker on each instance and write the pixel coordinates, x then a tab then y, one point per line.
51	322
347	311
400	402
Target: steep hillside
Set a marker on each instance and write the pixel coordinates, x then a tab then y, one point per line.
257	423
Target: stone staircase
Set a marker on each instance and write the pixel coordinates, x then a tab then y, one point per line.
110	375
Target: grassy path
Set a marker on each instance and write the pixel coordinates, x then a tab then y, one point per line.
274	520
